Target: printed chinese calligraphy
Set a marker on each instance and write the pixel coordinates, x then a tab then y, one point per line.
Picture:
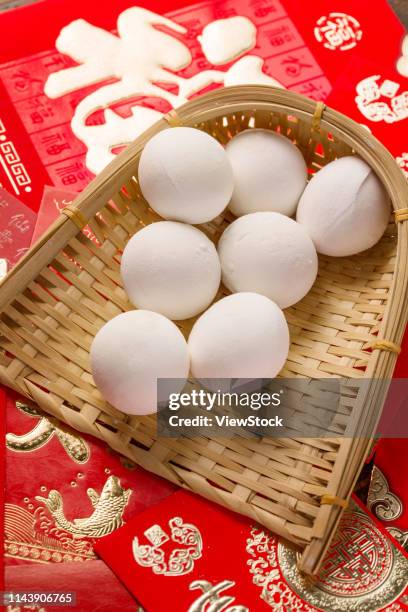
16	227
226	39
262	46
212	600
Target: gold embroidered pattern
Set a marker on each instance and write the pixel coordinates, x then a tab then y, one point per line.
75	447
380	501
211	600
362	571
399	535
107	514
33	537
181	560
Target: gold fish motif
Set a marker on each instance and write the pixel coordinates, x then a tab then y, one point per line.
106	517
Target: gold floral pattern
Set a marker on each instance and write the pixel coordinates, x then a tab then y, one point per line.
180	560
362	572
384	504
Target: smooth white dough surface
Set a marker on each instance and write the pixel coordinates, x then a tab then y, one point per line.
185	175
268	253
171	268
244	335
131	352
345	209
269	171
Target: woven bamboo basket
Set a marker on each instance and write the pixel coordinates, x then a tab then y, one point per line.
349	325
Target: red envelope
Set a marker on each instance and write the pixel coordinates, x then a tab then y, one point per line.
17	223
339	31
56	477
39	127
189	554
53	201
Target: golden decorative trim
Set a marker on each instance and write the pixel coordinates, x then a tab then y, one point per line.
75	215
173	119
386	345
401	215
384	504
317	116
334	500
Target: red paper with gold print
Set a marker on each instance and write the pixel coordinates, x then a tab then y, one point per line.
59	138
187	554
62	122
64	490
66	121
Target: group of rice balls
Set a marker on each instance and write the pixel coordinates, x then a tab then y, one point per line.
172	271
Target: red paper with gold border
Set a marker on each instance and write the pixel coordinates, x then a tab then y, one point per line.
65	490
38	127
305	50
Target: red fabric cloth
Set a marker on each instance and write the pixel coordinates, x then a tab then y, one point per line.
96	588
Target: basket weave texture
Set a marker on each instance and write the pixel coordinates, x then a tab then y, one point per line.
68	285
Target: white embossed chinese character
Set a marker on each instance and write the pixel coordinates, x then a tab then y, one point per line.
368	100
139	58
212	599
338	31
402	161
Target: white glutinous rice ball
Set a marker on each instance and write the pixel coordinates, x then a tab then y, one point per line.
171	268
345	208
268	253
131	352
269	172
244	335
185	175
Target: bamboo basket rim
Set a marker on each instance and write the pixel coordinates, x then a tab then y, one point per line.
235	100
